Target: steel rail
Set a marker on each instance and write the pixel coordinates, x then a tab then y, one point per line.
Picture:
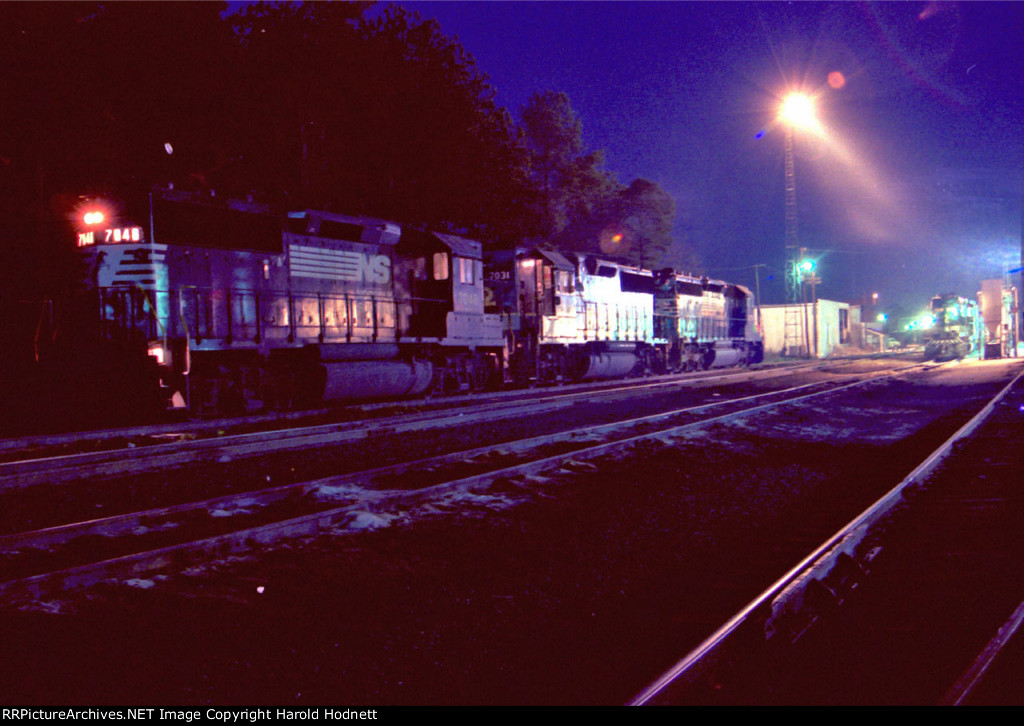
964	687
786	595
87	574
121	523
42	441
120	462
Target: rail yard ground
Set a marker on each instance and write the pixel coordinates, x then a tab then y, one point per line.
575	587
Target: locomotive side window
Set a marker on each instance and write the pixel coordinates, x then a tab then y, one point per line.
299	224
547	292
419	268
636	283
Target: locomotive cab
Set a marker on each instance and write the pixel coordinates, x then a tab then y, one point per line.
441	275
545	283
535	293
424	279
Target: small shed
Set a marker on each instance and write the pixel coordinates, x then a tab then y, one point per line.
819	327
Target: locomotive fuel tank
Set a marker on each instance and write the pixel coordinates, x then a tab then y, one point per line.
368	380
724	355
608	360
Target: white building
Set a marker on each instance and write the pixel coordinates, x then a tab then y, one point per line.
823	327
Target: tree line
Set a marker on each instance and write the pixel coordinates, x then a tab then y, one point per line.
333	105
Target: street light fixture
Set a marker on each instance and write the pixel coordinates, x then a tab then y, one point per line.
797	110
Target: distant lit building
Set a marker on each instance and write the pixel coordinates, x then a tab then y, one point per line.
823	328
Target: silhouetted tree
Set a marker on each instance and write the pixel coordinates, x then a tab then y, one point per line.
384	116
646	213
304	104
89	95
571	188
580	206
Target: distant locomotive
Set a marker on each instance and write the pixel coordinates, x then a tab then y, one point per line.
234	308
955	329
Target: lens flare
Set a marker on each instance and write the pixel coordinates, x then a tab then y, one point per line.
615	240
836	79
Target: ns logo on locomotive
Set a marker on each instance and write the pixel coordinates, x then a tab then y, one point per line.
235	308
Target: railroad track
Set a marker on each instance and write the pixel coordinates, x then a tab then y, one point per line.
872	589
79	554
137	451
576	583
61	450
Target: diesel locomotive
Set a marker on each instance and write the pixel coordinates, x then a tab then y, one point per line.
234	308
955	330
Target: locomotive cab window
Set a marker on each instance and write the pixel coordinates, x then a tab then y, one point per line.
440	266
465	270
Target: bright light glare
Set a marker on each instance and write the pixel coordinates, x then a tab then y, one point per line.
807	265
93	218
798	110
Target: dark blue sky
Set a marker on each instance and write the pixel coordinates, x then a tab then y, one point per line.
917	188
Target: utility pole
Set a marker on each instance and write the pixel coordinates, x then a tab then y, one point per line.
757	294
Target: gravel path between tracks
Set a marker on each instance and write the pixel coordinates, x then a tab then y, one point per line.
561	590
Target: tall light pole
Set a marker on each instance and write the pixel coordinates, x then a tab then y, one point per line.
797	111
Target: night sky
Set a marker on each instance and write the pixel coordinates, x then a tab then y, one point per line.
915	187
